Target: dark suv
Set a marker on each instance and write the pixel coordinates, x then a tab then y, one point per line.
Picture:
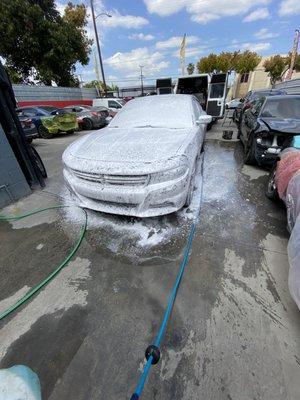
268	127
246	102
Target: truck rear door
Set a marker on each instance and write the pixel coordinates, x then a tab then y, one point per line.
217	91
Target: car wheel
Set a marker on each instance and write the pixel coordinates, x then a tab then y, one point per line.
249	151
189	196
88	124
271	189
43	132
209	126
71	132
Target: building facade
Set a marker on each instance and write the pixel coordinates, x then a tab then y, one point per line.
255	80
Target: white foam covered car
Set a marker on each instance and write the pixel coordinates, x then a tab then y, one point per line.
142	164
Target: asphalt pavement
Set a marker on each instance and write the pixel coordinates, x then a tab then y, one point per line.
234	332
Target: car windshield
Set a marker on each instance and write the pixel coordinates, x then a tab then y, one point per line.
48	108
257	95
282	108
155	112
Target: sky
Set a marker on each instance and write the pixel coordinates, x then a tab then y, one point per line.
149	33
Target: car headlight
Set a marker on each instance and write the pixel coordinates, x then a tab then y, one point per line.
169	174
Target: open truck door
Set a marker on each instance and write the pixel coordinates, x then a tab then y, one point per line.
164	86
217	91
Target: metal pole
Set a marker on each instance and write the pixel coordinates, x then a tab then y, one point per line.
293	55
98	48
142	86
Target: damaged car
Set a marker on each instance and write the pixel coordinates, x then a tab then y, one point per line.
268	127
143	164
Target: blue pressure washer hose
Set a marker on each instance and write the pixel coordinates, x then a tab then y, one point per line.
152	353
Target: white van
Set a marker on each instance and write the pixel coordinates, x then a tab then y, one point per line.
112	103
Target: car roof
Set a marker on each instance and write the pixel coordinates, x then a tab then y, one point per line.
267	90
279	97
164	98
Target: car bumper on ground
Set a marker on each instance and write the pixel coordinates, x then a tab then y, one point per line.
140	201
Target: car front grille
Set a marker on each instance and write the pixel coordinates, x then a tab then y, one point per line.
118	180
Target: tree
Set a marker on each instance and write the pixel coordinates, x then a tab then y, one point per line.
207	64
227	61
40	42
246	61
275	66
100	86
190	68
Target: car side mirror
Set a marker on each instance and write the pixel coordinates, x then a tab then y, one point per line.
204	119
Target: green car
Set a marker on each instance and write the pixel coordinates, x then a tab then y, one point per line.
49	120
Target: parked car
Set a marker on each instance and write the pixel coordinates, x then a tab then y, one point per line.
88	117
271	187
251	96
49	120
112	103
143	164
268	126
232	104
104	111
29	128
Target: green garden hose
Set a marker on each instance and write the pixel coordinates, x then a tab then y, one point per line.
56	271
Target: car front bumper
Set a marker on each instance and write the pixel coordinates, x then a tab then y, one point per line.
140	201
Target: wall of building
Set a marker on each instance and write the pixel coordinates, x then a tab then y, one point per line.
51	95
258	79
13	184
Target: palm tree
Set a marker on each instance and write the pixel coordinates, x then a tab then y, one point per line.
190	68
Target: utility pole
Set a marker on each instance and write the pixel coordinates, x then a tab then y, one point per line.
142	76
98	44
293	55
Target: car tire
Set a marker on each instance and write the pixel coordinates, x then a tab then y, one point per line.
209	126
271	189
43	132
71	132
88	124
189	196
249	152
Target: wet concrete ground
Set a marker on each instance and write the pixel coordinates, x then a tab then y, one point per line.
235	331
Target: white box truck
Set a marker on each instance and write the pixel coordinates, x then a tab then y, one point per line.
210	90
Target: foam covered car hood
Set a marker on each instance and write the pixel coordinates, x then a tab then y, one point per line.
137	148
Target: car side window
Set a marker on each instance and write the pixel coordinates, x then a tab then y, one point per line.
257	106
113	104
29	112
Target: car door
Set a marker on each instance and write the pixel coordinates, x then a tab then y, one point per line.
217	90
250	118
